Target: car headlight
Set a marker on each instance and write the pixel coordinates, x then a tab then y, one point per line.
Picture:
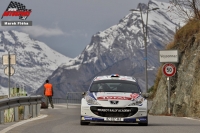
91	100
138	101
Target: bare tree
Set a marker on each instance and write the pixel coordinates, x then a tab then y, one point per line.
187	9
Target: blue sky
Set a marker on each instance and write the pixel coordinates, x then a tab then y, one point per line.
68	25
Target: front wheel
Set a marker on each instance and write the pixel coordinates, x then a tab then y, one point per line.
143	124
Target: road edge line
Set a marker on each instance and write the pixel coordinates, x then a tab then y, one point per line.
191	118
21	123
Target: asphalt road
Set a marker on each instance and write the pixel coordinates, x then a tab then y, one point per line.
63	120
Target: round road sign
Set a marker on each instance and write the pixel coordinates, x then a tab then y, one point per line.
169	69
12	70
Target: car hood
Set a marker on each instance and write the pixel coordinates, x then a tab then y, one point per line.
115	98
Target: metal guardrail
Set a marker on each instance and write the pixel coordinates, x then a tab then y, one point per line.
74	97
59	100
31	106
56	100
71	98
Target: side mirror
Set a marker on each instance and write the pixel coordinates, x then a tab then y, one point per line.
145	95
83	93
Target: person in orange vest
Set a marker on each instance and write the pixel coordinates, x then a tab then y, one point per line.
48	92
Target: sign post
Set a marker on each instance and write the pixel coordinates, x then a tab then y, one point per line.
169	89
169	70
8	74
9	60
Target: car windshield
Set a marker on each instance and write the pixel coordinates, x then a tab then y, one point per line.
114	86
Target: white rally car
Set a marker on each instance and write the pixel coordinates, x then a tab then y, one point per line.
114	98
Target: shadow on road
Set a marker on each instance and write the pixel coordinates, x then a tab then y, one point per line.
162	124
135	124
113	124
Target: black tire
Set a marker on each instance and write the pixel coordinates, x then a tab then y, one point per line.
84	123
143	124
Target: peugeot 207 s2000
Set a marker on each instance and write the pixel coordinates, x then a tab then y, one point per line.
114	98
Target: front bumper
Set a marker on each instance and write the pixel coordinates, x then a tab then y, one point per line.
137	114
125	120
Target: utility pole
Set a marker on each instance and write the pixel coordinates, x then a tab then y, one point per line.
144	28
9	74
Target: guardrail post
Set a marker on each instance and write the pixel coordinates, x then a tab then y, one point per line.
67	100
16	114
38	109
26	112
34	111
31	106
31	110
1	116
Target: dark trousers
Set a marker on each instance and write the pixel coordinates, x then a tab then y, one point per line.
49	100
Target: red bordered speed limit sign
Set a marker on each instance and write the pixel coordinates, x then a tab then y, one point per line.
169	69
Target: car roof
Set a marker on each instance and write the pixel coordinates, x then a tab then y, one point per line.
118	77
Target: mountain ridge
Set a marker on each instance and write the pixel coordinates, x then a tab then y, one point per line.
121	42
35	61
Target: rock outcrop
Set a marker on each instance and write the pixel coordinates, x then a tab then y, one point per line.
185	85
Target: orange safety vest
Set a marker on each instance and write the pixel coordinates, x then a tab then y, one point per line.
48	89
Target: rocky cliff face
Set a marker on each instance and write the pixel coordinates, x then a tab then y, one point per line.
185	85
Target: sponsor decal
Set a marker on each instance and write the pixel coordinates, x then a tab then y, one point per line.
88	118
92	95
113	97
142	119
114	110
134	96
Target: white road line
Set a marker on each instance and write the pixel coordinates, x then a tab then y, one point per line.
191	118
62	105
22	122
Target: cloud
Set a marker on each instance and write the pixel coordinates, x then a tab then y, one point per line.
37	31
6	28
77	32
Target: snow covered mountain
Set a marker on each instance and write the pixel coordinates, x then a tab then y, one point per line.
119	49
35	61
